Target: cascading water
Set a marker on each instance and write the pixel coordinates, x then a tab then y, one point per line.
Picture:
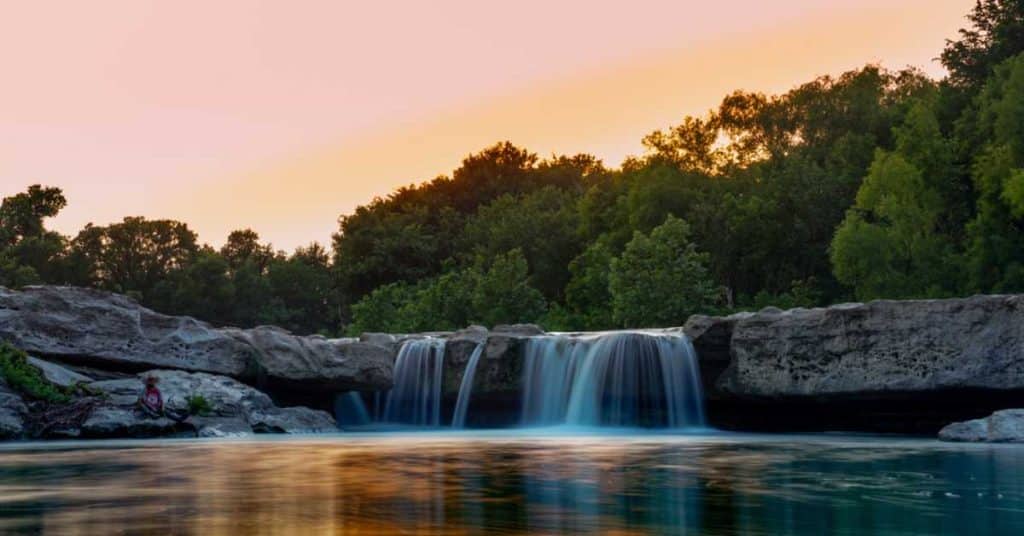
612	379
350	410
416	395
466	388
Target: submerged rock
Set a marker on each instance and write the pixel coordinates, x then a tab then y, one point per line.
880	347
85	327
1005	426
294	420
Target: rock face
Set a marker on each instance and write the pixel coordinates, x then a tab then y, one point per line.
1006	426
12	413
315	363
57	374
916	346
99	329
499	371
712	339
235	409
103	329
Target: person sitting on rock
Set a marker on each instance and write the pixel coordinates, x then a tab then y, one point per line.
151	402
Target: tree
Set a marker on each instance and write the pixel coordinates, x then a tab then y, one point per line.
996	33
996	250
244	246
301	293
587	297
135	255
542	224
29	253
661	278
489	292
890	244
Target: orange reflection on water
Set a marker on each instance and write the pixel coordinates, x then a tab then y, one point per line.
463	484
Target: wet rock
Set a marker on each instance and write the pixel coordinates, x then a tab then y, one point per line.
57	374
1005	426
12	413
525	330
880	347
221	427
294	420
499	371
712	340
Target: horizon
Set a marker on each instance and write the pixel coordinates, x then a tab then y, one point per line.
135	139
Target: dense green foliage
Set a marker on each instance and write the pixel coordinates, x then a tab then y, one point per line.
26	379
198	405
870	184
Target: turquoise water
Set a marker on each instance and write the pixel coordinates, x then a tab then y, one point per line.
513	482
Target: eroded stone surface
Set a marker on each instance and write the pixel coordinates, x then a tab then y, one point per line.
100	329
880	347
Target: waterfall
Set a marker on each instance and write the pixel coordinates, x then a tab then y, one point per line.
466	388
612	379
350	410
415	397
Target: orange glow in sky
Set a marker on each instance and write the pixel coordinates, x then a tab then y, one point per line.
281	116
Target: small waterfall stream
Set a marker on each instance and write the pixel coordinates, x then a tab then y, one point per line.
416	396
350	410
612	379
466	388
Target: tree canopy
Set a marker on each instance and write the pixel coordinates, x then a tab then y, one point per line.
869	184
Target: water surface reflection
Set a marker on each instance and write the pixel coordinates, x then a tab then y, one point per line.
510	484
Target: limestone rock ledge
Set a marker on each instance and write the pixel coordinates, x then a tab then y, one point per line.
92	328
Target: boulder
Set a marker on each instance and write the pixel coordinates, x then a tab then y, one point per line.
235	409
57	374
113	421
1005	426
225	396
91	328
315	363
879	348
221	427
294	420
12	413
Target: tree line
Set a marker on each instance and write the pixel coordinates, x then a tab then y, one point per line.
871	184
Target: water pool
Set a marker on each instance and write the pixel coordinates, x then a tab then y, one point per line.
513	482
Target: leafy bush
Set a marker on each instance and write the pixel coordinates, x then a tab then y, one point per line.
198	405
26	379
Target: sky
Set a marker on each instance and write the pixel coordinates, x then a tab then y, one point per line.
281	116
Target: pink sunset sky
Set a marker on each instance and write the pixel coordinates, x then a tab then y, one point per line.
281	116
